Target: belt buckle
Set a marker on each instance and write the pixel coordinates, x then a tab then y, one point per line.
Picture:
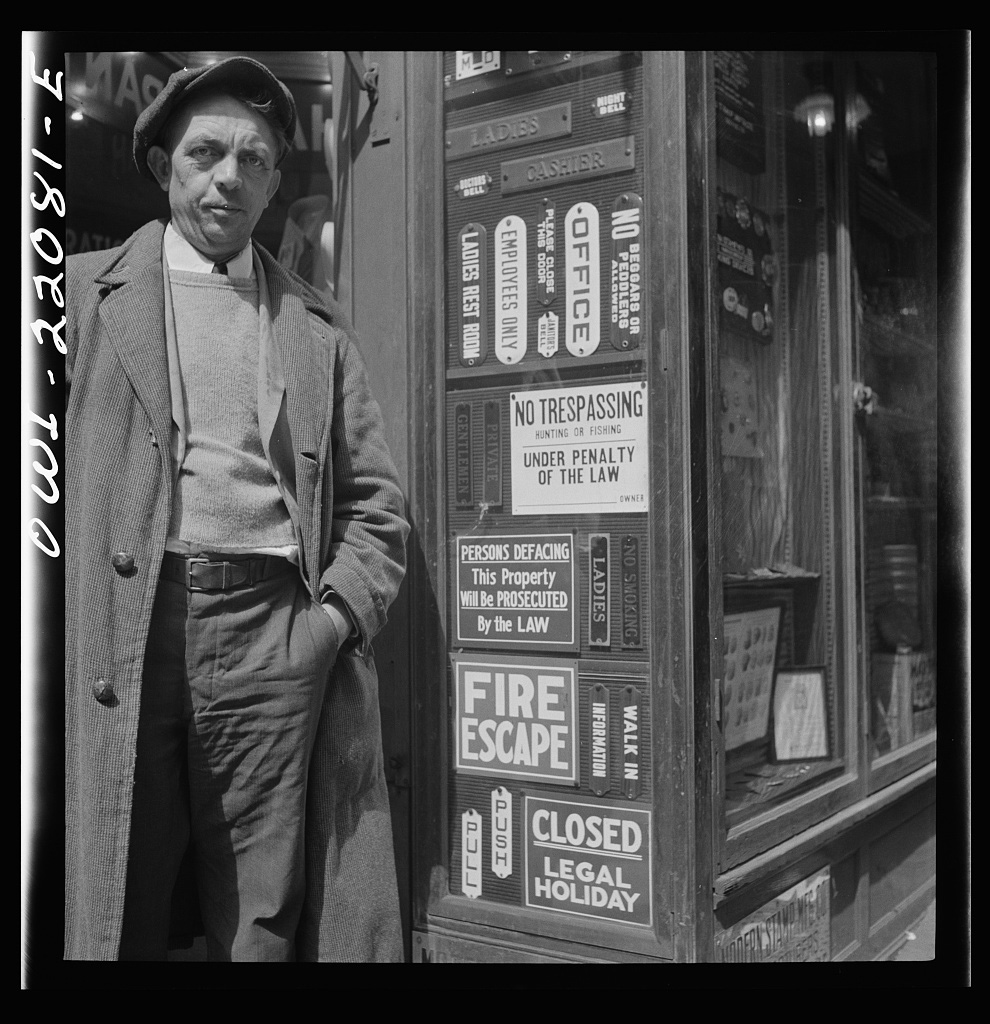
192	560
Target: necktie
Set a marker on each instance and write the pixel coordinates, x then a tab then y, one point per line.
219	268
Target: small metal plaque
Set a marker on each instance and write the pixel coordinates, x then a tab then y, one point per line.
473	289
491	490
632	598
599	591
599	759
582	331
592	160
627	317
548	334
463	477
510	290
516	129
473	185
632	709
470	63
546	253
501	832
471	855
618	102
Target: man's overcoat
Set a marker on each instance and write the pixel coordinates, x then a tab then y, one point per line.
329	450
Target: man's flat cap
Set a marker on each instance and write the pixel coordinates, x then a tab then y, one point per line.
232	72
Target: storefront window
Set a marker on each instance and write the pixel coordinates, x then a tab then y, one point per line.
894	243
825	416
782	683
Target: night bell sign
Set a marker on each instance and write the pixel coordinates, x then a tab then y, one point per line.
515	718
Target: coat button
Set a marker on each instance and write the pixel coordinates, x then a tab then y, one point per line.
123	562
103	691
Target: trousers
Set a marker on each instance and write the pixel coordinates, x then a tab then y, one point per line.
231	695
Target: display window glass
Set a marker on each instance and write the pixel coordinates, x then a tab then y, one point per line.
823	289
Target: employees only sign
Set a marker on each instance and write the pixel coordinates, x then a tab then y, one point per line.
582	449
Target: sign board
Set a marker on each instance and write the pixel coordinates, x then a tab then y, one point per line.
580	449
516	718
516	590
793	928
590	859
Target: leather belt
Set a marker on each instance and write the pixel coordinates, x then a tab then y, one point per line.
200	573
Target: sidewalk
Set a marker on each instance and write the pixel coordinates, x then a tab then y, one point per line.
919	942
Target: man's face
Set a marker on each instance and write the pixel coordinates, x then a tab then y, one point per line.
219	175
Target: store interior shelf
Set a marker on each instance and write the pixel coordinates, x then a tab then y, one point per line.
886	209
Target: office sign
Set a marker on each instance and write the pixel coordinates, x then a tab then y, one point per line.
590	859
516	590
580	450
515	718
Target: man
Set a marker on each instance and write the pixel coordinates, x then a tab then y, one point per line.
234	536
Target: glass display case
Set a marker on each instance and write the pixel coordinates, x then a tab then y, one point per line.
823	432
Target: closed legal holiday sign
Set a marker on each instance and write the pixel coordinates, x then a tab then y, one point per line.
581	449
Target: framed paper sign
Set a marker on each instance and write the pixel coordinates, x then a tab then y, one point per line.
800	726
749	657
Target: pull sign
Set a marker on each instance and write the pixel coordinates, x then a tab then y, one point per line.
473	284
631	744
599	769
582	331
501	832
627	272
546	253
471	853
599	591
510	290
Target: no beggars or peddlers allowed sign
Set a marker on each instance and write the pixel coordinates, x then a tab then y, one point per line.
581	450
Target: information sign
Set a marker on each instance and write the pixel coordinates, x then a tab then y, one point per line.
589	858
514	129
599	712
580	449
591	160
463	474
516	590
515	718
600	590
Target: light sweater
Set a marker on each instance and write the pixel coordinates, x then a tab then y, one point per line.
226	498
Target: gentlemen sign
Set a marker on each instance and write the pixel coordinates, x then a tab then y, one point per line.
515	718
589	859
582	449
